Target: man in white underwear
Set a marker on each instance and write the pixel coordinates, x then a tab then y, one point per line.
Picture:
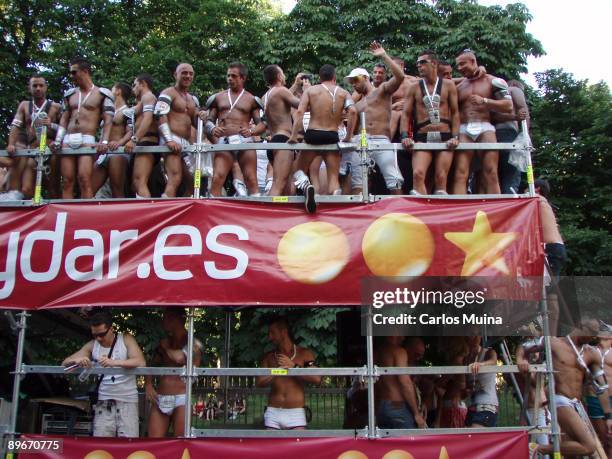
376	103
84	107
176	110
285	408
168	398
116	412
574	363
230	113
479	94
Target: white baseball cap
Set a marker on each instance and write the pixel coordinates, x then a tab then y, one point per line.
356	72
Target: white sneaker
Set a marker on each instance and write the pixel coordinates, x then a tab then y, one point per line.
240	187
414	192
12	195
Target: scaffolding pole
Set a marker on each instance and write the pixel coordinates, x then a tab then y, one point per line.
189	374
17	379
364	158
226	358
371	375
197	173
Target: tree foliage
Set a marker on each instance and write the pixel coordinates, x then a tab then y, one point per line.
571	128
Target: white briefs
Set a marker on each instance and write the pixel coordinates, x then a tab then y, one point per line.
284	418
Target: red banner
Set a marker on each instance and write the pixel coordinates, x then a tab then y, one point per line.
495	445
213	252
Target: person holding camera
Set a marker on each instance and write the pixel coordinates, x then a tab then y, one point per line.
115	397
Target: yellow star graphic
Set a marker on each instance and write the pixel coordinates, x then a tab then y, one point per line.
482	247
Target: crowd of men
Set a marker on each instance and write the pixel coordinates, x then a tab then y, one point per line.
582	363
430	108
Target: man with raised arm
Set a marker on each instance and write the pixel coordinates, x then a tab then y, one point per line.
285	408
432	103
230	113
277	103
176	110
168	398
115	166
116	411
575	363
326	103
84	106
25	132
145	134
396	395
376	104
479	95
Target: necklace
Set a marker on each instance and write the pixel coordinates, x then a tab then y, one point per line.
294	353
78	113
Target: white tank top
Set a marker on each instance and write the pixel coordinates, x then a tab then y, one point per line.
486	388
116	387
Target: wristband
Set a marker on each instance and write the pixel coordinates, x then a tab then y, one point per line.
165	131
404	135
104	142
210	126
54	126
486	101
59	136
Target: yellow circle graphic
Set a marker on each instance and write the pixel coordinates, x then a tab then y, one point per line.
398	245
141	455
398	454
98	454
313	253
352	454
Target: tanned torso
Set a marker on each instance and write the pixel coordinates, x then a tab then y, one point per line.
320	102
240	116
421	112
90	114
286	392
469	111
182	112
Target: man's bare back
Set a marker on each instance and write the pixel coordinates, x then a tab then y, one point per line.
278	103
325	108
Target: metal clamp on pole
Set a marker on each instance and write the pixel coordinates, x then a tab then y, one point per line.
197	174
364	158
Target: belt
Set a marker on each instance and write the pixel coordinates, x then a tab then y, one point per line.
484	407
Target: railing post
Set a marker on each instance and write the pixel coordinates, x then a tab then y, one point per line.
370	374
189	373
17	379
40	160
197	174
528	149
364	158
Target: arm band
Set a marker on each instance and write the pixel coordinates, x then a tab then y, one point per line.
17	123
348	102
210	126
166	133
59	136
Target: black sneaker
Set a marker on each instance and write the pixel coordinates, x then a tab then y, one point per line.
309	201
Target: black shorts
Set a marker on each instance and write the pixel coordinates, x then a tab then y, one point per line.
422	137
320	137
278	138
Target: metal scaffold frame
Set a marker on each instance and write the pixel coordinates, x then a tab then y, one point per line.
370	372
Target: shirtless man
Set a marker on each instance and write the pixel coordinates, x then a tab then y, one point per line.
176	109
432	102
25	132
84	106
230	114
379	76
554	248
376	103
326	103
396	395
168	398
573	361
145	134
115	166
506	131
285	408
478	96
445	70
596	413
277	103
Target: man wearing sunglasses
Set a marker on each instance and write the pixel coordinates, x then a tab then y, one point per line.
376	103
85	106
116	412
432	104
479	95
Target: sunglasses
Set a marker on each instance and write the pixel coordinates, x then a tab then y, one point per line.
422	62
101	334
74	72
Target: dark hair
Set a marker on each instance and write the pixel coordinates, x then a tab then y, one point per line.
99	317
444	62
242	69
125	89
327	72
544	187
281	322
82	63
37	75
270	73
431	54
148	79
179	313
381	65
